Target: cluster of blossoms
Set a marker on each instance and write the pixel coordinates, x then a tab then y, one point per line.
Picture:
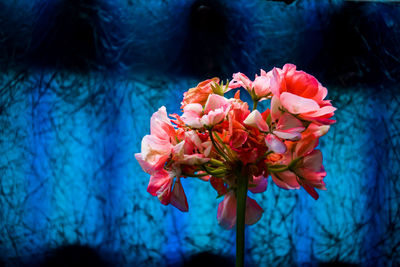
218	140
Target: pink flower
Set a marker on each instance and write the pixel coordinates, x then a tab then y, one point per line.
261	86
160	185
308	170
227	211
192	114
310	138
200	93
287	128
215	111
217	137
311	172
191	151
301	94
157	147
241	80
162	146
285	180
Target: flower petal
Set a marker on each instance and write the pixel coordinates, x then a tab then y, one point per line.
322	93
275	81
157	181
275	144
151	167
292	134
207	148
192	114
153	148
320	112
276	108
241	80
310	190
214	102
160	124
194	159
296	104
313	161
200	93
260	183
306	145
194	107
192	140
178	197
253	211
160	185
312	178
285	180
255	119
227	211
218	185
261	86
213	117
288	121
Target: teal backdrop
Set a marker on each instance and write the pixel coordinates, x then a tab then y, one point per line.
80	80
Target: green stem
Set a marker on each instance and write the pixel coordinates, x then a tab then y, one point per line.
283	169
195	174
255	103
241	196
217	162
228	151
216	146
214	172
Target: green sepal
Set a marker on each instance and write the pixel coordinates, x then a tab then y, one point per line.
269	120
277	166
294	162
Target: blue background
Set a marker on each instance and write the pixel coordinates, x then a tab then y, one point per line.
79	81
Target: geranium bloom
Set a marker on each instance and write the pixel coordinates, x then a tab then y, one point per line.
301	94
287	127
307	172
200	93
305	163
191	150
214	112
260	87
220	141
157	147
234	133
162	145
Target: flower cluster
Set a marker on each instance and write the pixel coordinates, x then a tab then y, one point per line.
217	140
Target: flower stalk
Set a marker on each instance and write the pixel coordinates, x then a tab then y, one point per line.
241	196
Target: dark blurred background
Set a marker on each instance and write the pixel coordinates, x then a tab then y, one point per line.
79	81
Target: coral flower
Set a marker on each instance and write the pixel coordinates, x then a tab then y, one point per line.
157	147
287	127
305	163
162	145
200	93
301	94
260	87
219	140
215	110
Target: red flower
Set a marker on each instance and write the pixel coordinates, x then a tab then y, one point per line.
301	94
